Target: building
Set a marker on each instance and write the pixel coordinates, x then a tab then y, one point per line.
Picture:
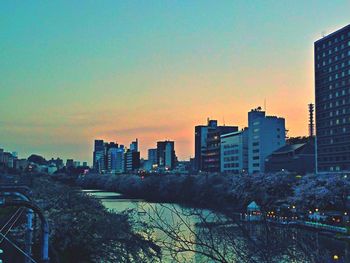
115	159
234	152
69	163
298	158
152	156
166	157
265	135
132	157
332	93
200	141
210	153
1	156
99	154
21	164
207	145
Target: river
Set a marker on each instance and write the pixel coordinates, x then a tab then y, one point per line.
200	235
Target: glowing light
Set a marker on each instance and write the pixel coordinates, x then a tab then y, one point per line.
335	257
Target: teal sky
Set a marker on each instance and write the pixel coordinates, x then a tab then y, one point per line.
73	71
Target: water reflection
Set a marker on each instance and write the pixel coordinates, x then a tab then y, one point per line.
199	235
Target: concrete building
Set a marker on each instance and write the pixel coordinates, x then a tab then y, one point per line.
332	93
207	145
166	154
211	153
234	152
265	135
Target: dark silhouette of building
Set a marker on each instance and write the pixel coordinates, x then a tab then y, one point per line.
132	157
200	142
166	154
207	145
298	158
332	80
99	156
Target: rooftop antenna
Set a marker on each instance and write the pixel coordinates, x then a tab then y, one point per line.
265	104
323	33
223	120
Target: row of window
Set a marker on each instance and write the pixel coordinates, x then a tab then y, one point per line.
330	51
333	140
336	67
332	131
334	149
230	146
337	76
231	152
326	86
334	159
231	165
333	41
332	60
336	103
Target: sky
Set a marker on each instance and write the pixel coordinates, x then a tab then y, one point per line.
75	71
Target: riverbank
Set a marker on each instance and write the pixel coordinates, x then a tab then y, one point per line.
284	194
267	239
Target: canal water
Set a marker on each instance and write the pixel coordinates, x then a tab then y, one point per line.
199	235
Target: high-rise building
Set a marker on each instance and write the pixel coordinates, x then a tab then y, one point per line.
134	146
166	154
115	157
332	93
265	135
152	156
99	160
200	142
207	145
234	152
132	157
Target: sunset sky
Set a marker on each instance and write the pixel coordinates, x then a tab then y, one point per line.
73	71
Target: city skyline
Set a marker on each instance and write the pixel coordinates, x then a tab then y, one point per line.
121	71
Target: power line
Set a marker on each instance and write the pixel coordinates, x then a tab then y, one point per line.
14	222
14	214
18	248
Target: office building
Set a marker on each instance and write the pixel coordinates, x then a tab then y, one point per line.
132	157
265	135
234	152
99	161
115	157
332	93
152	156
207	145
166	157
200	141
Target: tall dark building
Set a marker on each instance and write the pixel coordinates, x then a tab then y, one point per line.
207	145
132	157
99	159
200	142
166	154
332	92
